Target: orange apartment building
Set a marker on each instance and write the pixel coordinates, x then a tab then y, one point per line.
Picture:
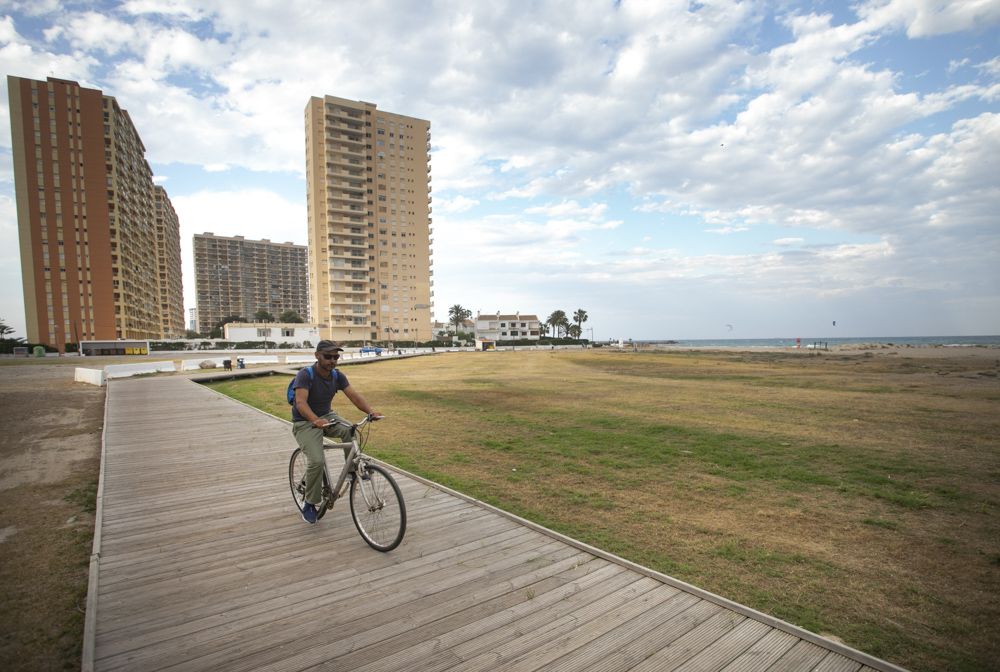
100	243
369	215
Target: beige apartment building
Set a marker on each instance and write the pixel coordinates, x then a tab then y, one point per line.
96	261
236	276
369	215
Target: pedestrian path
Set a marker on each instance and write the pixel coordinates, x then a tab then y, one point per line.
202	563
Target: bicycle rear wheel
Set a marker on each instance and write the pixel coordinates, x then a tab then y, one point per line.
297	482
377	508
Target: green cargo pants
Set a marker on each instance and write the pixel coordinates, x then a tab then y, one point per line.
310	439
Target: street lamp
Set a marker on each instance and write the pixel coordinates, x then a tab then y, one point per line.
389	331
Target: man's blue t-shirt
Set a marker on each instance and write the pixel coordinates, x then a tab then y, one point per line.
321	390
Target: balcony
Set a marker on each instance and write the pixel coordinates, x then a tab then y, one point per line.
352	139
347	311
349	243
336	209
338	124
335	114
348	196
357	185
361	295
339	160
334	171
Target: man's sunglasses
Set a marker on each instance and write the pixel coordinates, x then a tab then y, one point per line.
334	357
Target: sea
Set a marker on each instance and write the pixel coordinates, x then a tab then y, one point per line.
827	342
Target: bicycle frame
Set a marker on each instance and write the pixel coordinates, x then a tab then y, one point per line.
353	462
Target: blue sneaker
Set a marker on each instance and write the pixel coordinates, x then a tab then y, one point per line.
309	513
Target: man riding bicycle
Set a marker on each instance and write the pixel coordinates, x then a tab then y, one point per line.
312	417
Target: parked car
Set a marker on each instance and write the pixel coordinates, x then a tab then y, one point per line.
372	348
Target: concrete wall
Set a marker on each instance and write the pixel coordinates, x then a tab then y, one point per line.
92	376
126	370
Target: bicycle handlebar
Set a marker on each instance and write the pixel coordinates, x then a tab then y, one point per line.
358	425
371	417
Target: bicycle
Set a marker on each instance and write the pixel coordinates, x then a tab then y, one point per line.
376	503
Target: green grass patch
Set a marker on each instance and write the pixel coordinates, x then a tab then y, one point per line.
85	497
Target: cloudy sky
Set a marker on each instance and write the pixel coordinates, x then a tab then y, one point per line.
741	169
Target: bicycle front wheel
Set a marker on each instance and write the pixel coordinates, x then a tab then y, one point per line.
377	508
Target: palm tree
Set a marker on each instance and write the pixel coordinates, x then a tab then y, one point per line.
457	315
580	316
558	321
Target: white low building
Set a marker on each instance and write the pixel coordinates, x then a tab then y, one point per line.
515	327
306	335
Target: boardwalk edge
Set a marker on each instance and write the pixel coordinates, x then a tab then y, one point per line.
90	617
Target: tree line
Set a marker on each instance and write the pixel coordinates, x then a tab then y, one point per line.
558	322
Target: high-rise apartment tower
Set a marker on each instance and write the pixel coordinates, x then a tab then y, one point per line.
238	277
100	243
168	256
368	200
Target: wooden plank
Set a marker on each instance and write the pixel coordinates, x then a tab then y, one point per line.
727	648
235	596
585	628
553	638
834	662
803	656
691	643
764	653
597	650
667	626
376	637
212	633
454	646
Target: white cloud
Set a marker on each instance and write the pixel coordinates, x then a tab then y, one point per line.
925	18
594	211
176	8
990	67
457	204
100	33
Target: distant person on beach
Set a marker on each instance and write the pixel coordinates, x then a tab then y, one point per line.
313	418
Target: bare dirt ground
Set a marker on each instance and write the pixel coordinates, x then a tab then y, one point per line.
50	437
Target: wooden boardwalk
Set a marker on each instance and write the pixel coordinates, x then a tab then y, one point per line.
202	563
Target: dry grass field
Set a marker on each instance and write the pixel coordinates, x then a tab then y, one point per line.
855	495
